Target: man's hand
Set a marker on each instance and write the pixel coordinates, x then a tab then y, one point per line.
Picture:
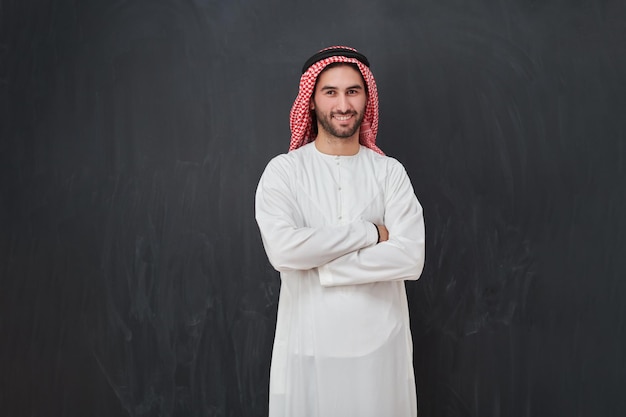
383	233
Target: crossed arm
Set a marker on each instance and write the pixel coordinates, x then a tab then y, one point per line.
343	254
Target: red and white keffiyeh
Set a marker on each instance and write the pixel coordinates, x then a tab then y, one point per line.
301	121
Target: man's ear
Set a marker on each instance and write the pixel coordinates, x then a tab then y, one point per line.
311	104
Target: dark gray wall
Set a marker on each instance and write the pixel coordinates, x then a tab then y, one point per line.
132	277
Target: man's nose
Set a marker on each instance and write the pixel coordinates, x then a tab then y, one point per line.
343	103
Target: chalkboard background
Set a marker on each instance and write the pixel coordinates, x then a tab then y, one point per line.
133	133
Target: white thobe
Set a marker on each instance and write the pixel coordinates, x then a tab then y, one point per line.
343	344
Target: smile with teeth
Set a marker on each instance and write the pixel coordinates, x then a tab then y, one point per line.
342	118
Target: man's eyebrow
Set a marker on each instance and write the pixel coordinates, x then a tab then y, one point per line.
353	87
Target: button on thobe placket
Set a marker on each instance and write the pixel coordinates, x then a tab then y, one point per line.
340	204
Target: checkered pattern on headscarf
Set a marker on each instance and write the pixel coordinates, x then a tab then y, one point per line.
301	122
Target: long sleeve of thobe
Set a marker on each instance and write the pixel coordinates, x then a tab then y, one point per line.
399	258
290	246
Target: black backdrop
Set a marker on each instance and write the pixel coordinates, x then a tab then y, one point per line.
133	280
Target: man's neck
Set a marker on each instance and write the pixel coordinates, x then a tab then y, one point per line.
338	146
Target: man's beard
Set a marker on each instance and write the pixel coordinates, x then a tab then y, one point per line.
344	132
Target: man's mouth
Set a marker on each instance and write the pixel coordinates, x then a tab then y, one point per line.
342	117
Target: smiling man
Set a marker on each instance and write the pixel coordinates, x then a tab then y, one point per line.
341	223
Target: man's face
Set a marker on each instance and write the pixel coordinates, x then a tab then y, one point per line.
339	101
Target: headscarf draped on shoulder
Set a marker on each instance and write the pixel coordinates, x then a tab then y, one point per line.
301	120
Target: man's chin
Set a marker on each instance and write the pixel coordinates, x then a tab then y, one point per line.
344	133
340	132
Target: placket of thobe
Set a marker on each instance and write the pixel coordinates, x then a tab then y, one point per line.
342	184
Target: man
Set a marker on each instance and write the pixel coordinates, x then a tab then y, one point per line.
341	223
